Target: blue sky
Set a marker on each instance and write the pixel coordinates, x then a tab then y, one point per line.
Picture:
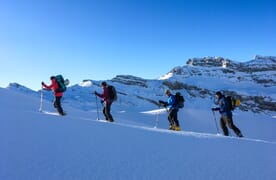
99	39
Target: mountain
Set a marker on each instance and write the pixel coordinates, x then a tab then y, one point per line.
253	82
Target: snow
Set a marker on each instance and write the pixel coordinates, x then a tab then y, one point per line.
40	146
166	76
86	84
155	112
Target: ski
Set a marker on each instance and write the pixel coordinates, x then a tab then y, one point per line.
52	113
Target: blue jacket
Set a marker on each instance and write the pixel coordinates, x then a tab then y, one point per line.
171	101
224	107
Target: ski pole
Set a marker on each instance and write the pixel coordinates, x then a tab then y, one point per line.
41	100
157	118
97	107
215	122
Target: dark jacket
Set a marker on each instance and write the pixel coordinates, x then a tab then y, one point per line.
224	107
105	96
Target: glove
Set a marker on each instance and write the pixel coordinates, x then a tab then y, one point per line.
95	92
161	102
42	83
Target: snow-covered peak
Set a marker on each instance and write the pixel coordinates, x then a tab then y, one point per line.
209	62
261	63
166	76
20	88
259	57
86	83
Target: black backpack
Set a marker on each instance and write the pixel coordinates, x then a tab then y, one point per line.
232	102
112	93
179	100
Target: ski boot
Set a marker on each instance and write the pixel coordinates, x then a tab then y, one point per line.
240	135
177	128
172	127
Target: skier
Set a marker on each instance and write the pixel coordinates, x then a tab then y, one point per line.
106	101
58	95
172	112
226	115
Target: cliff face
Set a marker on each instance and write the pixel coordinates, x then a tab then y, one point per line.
253	82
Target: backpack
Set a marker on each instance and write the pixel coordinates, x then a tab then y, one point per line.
179	100
232	102
112	93
61	83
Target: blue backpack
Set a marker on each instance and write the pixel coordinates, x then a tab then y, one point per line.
61	83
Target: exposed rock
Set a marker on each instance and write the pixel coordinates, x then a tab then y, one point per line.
130	80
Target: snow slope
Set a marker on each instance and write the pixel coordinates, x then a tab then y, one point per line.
35	145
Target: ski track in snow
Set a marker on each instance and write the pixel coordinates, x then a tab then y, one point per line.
155	111
159	130
182	133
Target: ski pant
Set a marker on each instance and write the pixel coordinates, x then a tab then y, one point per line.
106	111
224	120
57	104
172	117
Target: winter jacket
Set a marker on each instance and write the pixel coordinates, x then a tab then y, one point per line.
224	107
171	101
104	96
54	87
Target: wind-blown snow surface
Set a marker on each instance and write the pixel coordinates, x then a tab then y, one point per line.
36	146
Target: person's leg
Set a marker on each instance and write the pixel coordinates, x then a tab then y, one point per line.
104	112
55	103
107	112
231	125
58	105
171	121
223	126
175	119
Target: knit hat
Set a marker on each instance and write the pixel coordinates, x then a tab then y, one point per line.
218	93
103	83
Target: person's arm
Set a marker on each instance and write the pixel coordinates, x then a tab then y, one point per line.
215	109
46	86
103	95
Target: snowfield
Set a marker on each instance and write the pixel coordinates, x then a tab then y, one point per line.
40	146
